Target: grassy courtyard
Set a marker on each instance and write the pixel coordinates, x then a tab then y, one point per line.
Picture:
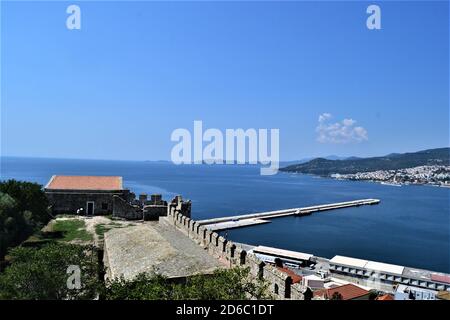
72	229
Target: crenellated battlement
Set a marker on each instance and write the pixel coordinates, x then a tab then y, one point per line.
280	283
149	209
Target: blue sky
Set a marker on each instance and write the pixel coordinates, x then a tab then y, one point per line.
135	72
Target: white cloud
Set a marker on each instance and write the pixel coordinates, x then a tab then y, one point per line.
344	131
324	116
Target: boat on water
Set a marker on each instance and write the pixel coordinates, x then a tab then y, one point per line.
394	184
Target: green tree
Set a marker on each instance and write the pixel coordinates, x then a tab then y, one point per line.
23	211
42	273
29	197
143	287
223	284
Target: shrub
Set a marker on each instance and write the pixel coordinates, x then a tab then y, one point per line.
42	273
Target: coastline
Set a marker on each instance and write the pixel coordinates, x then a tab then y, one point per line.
382	182
218	191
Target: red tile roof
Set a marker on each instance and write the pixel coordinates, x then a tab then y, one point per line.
347	291
85	183
295	277
440	278
385	297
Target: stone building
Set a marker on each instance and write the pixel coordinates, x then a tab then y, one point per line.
102	195
89	195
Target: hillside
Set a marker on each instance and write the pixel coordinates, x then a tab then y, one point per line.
325	167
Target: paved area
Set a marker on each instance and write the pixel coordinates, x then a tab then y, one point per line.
154	247
289	212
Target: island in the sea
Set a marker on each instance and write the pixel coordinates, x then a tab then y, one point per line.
430	166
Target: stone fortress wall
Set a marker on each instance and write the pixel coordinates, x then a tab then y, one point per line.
147	209
280	283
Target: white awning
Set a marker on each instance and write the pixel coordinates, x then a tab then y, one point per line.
347	261
385	267
283	253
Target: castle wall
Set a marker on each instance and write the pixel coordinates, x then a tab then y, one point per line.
125	210
153	212
68	202
279	283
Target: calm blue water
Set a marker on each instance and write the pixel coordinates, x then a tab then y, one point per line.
411	225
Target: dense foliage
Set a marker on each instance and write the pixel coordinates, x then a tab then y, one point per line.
42	273
325	167
23	210
224	284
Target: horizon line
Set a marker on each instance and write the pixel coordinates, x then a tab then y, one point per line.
162	160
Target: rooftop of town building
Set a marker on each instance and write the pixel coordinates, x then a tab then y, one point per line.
346	292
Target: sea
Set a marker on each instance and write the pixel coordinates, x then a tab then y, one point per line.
410	226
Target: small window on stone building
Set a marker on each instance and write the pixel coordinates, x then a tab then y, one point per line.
104	206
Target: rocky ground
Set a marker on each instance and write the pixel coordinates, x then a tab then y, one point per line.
155	247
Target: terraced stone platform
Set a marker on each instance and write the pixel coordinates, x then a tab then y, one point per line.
154	247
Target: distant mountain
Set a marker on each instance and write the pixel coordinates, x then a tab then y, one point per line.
326	167
330	157
352	158
334	157
293	162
